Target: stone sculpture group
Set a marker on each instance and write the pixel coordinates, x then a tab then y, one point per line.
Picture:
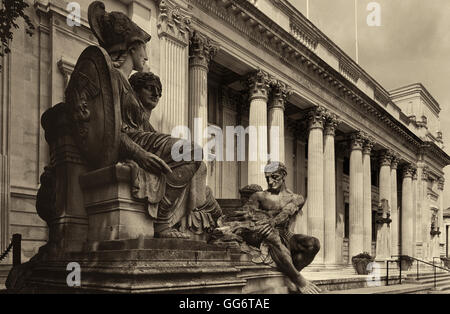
106	116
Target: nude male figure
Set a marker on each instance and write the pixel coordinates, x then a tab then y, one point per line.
273	209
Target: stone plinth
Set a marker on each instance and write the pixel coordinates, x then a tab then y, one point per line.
112	212
146	265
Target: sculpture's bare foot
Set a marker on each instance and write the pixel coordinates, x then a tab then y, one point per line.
309	288
172	233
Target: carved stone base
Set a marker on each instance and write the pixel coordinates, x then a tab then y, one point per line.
157	266
113	214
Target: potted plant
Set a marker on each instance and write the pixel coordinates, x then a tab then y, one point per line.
361	261
405	262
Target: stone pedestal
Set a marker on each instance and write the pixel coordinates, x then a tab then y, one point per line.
158	266
66	217
112	212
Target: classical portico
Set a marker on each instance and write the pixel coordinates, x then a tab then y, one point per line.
347	142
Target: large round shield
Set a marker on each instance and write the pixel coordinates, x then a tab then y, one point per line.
93	103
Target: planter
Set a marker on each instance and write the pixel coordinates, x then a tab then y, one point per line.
361	266
360	263
406	263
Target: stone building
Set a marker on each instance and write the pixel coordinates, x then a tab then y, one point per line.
347	142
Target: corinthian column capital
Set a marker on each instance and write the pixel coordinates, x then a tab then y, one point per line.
368	144
408	171
394	161
425	173
201	50
316	117
357	140
259	83
385	158
280	93
331	123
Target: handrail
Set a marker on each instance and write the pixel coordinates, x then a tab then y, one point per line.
387	271
15	245
422	261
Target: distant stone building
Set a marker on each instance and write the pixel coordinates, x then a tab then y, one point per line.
346	141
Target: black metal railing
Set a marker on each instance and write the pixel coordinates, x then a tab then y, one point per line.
418	261
387	270
16	247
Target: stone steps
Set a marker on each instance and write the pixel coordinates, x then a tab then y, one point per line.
442	280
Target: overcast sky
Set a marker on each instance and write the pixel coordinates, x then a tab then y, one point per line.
411	45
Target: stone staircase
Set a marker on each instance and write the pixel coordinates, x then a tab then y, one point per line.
427	280
410	285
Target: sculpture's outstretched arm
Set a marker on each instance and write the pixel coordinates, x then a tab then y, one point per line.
289	210
146	160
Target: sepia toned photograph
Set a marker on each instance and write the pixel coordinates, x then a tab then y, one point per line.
239	149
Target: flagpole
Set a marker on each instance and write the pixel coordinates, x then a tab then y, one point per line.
356	30
307	9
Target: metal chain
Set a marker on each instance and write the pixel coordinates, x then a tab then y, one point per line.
8	249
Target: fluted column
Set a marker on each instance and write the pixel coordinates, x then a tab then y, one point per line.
173	32
356	200
441	182
280	92
201	51
367	197
407	211
259	88
340	207
315	178
329	189
426	217
419	201
395	215
414	212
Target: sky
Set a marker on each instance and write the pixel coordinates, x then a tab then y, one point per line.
412	45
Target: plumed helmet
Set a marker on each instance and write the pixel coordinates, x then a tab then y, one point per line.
115	31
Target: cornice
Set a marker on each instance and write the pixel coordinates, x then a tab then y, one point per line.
433	151
414	89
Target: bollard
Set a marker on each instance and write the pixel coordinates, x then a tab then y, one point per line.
17	249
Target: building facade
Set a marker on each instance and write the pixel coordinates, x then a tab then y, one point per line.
347	142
